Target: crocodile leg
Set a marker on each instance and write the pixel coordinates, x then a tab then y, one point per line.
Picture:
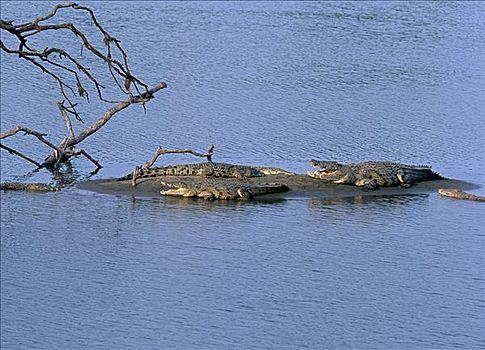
244	194
346	179
208	195
405	180
367	184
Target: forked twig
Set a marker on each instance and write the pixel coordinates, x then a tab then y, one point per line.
161	151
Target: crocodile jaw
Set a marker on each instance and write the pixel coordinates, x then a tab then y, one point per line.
321	174
311	173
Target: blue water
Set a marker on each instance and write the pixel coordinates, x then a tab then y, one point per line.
272	84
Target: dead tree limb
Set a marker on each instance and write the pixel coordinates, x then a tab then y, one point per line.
27	131
67	120
119	70
70	142
81	152
17	153
79	78
134	176
86	154
161	151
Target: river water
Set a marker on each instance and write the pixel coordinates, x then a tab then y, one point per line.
271	84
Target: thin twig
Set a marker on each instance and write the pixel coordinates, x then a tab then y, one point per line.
67	120
118	70
80	152
86	154
28	131
134	176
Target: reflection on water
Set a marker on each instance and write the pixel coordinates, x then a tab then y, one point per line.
186	269
270	84
385	201
64	176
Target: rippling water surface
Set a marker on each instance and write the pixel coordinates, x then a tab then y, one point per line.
275	84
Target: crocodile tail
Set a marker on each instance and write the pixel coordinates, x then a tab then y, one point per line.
432	175
124	178
438	176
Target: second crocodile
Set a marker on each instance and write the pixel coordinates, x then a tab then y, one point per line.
372	175
208	169
211	189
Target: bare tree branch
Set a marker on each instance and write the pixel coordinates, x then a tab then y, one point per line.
67	120
46	59
161	151
81	152
27	131
118	70
144	97
28	29
17	153
81	136
134	176
46	17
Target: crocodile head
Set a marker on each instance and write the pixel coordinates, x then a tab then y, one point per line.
325	165
327	170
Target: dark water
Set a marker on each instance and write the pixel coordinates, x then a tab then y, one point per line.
275	84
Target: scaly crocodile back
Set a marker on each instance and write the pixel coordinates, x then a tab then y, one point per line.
208	169
376	165
374	174
387	171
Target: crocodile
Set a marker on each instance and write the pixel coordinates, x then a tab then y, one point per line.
208	169
372	175
459	194
217	189
32	187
